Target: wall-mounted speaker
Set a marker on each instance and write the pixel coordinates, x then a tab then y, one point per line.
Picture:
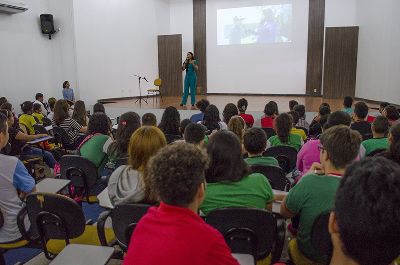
47	24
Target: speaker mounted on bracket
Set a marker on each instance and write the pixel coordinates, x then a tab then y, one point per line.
47	25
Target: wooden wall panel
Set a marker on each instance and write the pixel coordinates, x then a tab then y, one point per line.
170	65
340	68
316	24
200	43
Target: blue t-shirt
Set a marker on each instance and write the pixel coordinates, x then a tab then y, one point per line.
197	117
22	180
68	94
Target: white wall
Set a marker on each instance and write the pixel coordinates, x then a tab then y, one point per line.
378	74
114	40
340	13
29	61
182	23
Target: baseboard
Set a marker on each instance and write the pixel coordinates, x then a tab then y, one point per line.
262	95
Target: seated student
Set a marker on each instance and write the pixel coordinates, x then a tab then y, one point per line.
230	110
128	123
315	126
394	140
392	114
347	105
295	117
51	102
99	107
201	105
301	109
9	107
237	126
130	183
270	110
255	143
360	124
310	153
80	114
315	193
170	122
37	113
149	119
62	120
292	104
3	100
173	233
26	119
195	134
15	183
17	140
212	121
283	126
94	147
229	181
39	99
380	128
182	126
242	106
382	107
365	224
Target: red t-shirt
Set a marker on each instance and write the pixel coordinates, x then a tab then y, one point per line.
267	122
170	235
248	119
371	119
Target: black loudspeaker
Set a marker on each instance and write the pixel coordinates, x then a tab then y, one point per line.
47	24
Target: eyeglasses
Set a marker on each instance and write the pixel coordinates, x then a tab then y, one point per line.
320	147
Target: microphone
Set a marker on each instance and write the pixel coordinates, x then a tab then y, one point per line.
145	79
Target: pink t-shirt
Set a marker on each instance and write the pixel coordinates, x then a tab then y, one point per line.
307	155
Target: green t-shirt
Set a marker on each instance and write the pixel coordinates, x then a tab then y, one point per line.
95	150
253	191
262	161
294	141
375	144
312	196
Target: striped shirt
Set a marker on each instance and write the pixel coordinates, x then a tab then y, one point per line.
72	128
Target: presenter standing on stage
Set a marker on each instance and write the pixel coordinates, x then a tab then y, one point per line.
190	65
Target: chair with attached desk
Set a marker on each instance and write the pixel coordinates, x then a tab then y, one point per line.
286	156
62	138
124	220
275	175
59	221
248	231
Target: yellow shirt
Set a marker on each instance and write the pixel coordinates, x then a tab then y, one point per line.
299	132
39	116
28	121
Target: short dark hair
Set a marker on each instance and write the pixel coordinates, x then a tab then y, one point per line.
98	123
337	118
242	105
361	110
348	102
36	107
230	110
342	145
324	110
301	109
295	116
392	113
194	133
255	140
149	119
177	172
3	123
202	104
38	95
226	160
383	105
292	104
26	107
367	211
99	107
381	125
270	109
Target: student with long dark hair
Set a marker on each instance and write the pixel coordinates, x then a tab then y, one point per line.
190	66
229	111
283	126
212	120
394	140
170	122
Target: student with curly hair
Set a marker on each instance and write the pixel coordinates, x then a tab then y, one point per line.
283	126
149	119
242	107
172	233
237	126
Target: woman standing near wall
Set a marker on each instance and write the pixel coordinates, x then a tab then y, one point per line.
191	66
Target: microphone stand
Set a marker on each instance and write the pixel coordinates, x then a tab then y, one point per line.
140	99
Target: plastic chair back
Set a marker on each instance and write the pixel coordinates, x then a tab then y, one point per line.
376	152
282	151
46	121
275	175
320	237
158	82
40	129
61	136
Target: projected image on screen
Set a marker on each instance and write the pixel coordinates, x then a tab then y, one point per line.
256	24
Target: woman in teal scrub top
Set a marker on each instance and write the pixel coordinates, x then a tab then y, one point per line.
190	65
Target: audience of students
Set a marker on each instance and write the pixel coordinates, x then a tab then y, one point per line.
229	180
315	193
283	125
301	110
348	105
201	105
365	223
242	105
379	141
212	121
255	144
26	120
359	120
195	134
15	184
68	93
392	114
292	104
80	114
173	233
149	119
37	113
130	183
230	110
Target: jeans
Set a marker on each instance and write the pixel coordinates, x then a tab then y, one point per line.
47	156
